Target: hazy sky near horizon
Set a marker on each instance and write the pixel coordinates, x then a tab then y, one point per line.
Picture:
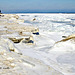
37	5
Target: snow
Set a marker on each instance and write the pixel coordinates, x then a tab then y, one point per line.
52	27
45	52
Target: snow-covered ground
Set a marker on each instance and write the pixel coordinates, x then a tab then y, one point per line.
49	54
52	27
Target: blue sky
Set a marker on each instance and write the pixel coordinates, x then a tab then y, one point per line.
37	5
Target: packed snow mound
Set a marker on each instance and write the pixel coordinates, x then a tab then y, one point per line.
67	44
64	46
7	45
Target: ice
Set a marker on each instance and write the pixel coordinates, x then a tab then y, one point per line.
52	27
48	55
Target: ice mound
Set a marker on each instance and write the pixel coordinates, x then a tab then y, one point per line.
66	44
11	18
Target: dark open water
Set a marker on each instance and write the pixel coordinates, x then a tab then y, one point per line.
39	12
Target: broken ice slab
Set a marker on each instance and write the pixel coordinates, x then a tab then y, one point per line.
26	39
15	40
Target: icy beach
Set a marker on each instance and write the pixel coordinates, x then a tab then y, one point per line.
37	44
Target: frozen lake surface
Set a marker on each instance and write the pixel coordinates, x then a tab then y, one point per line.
52	28
51	52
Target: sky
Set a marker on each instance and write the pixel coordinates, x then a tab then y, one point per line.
37	5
